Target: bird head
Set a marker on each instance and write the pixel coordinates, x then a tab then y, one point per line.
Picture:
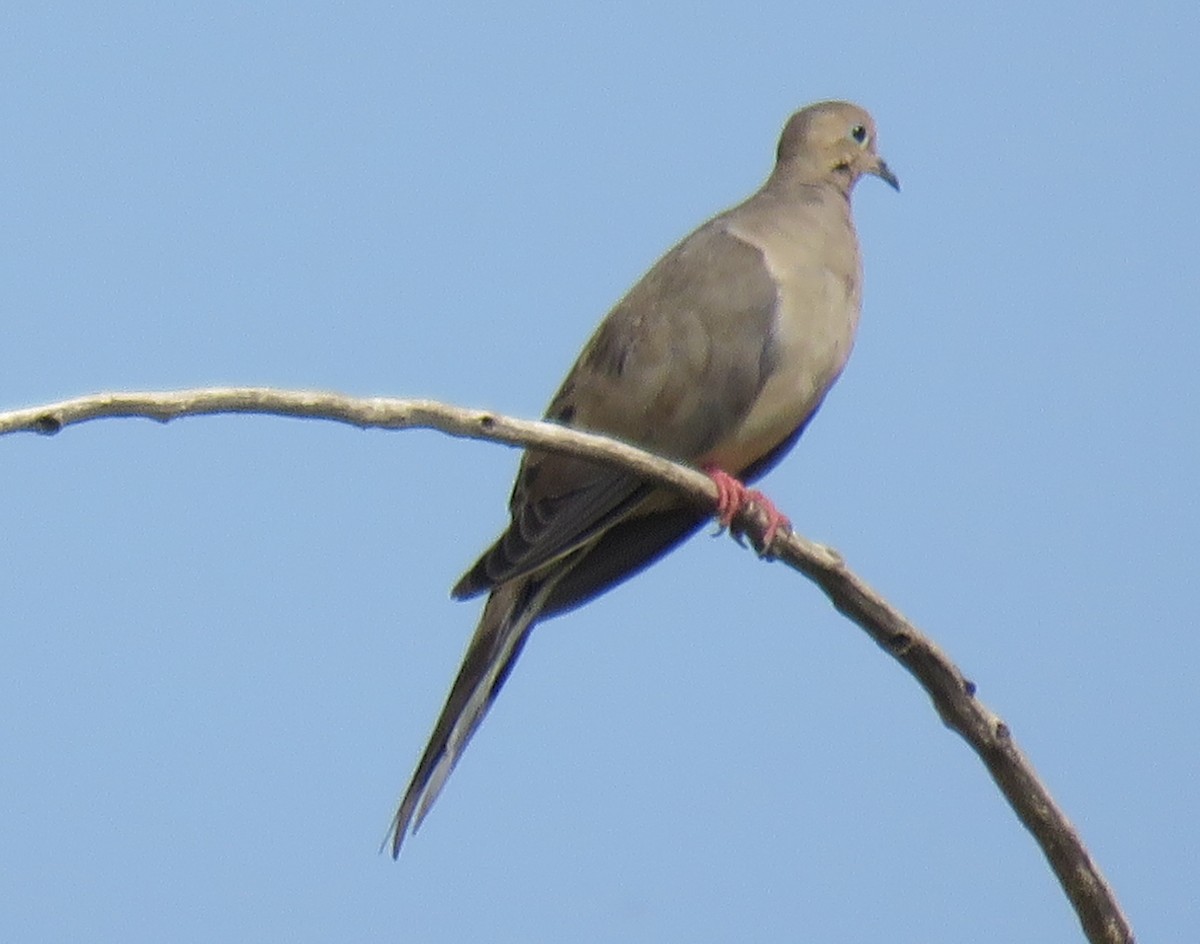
832	142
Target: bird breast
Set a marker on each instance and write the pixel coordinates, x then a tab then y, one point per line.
816	317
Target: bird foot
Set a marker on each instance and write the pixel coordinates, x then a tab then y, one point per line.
733	497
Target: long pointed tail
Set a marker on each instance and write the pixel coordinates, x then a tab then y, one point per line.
507	619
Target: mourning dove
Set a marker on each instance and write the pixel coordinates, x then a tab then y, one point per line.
718	357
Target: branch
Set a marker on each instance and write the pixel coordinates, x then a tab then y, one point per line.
952	693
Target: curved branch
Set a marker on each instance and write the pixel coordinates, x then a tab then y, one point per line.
953	695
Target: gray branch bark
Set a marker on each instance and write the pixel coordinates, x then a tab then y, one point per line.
953	695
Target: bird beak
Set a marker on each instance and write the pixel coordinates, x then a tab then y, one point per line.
884	173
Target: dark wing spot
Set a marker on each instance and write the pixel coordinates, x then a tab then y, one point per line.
610	347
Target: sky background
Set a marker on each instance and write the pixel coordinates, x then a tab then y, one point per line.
223	642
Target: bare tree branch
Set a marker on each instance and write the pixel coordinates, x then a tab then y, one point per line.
952	693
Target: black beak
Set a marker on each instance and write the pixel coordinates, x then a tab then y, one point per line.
884	173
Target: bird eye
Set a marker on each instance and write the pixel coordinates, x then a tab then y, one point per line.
859	134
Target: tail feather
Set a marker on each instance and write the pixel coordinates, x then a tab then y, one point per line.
507	619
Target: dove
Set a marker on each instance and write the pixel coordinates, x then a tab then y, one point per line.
718	357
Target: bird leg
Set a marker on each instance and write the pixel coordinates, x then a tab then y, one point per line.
733	497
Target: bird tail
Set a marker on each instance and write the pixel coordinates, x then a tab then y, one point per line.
509	615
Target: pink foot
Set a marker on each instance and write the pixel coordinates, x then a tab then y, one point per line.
733	497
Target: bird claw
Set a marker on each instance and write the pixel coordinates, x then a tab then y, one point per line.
733	497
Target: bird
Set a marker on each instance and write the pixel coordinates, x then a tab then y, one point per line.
718	357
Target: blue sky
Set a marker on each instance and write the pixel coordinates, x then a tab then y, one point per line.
224	641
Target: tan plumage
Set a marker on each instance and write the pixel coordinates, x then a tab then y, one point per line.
719	356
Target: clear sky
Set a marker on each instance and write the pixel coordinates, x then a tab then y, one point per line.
223	642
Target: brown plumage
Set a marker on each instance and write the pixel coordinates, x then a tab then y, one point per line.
719	356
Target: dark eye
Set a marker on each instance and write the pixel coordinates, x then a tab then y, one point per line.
859	134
